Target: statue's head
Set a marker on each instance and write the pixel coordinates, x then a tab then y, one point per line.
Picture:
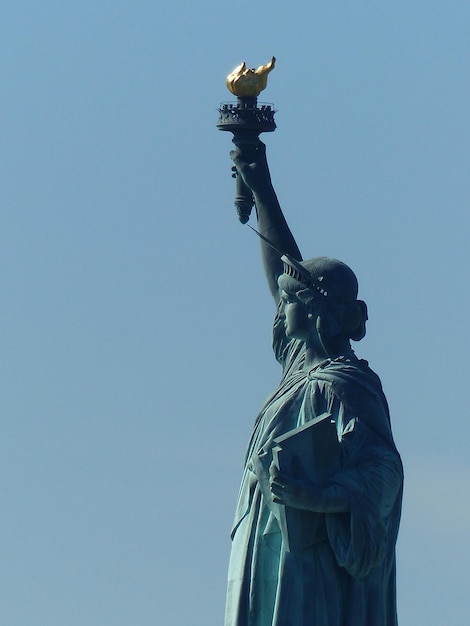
329	287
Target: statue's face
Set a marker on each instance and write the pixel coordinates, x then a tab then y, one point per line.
297	323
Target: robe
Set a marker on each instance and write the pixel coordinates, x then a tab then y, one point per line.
344	574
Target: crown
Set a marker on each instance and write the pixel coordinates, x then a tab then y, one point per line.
298	272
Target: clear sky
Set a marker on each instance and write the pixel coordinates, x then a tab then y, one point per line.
135	343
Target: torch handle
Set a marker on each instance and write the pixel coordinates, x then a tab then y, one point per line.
244	200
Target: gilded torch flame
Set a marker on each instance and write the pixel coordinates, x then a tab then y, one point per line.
249	82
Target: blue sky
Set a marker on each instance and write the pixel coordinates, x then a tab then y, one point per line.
135	320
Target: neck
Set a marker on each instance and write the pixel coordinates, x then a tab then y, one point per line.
316	352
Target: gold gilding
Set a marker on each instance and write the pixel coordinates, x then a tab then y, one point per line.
249	82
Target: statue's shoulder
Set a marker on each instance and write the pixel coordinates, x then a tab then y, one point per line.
359	389
348	377
343	368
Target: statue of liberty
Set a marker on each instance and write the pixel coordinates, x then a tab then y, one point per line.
313	539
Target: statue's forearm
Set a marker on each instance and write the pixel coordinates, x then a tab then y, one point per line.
273	225
251	163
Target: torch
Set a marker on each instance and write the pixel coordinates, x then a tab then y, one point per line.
246	119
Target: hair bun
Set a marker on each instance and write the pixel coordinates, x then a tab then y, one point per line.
354	320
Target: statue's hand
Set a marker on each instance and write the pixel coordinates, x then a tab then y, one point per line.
292	492
251	164
304	494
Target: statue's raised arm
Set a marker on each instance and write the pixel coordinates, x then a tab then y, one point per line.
246	119
251	164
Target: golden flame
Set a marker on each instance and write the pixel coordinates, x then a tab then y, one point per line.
249	82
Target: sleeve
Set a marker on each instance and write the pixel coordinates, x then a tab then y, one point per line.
370	472
280	340
372	476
